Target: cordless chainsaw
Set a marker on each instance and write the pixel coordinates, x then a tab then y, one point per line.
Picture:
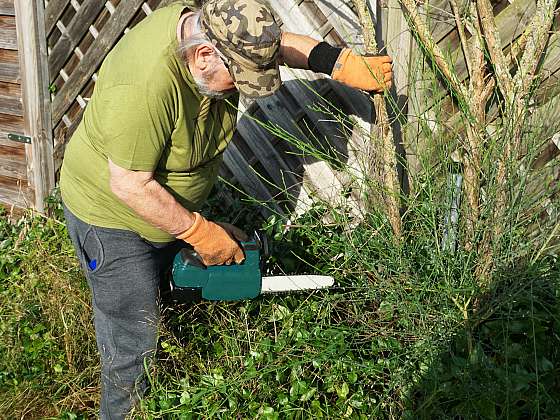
191	280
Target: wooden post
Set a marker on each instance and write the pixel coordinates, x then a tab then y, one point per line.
398	41
35	93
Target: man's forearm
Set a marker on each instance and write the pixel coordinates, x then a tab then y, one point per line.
295	49
158	207
152	202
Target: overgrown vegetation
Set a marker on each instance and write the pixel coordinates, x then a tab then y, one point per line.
397	338
48	357
457	318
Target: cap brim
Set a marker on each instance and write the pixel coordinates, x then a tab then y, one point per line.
255	83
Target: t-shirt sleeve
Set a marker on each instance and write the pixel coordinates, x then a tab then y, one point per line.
138	123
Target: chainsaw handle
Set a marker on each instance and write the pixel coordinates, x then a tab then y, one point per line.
190	257
259	242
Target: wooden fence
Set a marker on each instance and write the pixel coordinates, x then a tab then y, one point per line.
79	34
26	167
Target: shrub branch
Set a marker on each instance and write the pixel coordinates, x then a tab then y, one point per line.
494	44
462	35
382	132
473	99
419	27
534	41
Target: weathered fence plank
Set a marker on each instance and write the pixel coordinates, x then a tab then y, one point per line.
298	22
9	147
10	89
9	73
11	105
60	146
439	18
10	99
343	20
13	166
8	36
551	61
256	138
73	34
93	58
7	7
246	175
53	12
16	192
9	56
398	43
11	124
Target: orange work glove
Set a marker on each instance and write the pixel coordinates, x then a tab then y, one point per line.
371	73
234	231
212	242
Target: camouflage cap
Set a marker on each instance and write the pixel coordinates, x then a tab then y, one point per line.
247	34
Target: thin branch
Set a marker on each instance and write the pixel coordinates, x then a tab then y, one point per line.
494	43
477	82
537	36
462	36
423	33
382	132
368	27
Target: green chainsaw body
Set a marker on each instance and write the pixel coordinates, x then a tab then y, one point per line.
192	280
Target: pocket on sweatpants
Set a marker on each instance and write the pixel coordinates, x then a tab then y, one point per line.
92	251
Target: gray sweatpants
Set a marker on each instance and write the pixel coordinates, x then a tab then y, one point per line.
123	272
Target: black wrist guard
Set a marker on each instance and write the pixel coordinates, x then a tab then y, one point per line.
322	58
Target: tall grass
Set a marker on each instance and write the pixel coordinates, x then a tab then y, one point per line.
48	360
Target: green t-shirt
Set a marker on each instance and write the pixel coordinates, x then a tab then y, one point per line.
145	114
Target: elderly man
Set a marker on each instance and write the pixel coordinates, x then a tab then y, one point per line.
147	152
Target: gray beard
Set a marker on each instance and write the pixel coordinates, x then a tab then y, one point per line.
204	90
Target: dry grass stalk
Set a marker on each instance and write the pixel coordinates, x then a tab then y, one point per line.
382	132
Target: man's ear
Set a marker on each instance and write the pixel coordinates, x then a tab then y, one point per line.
203	57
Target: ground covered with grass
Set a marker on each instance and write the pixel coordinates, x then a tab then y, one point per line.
407	332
